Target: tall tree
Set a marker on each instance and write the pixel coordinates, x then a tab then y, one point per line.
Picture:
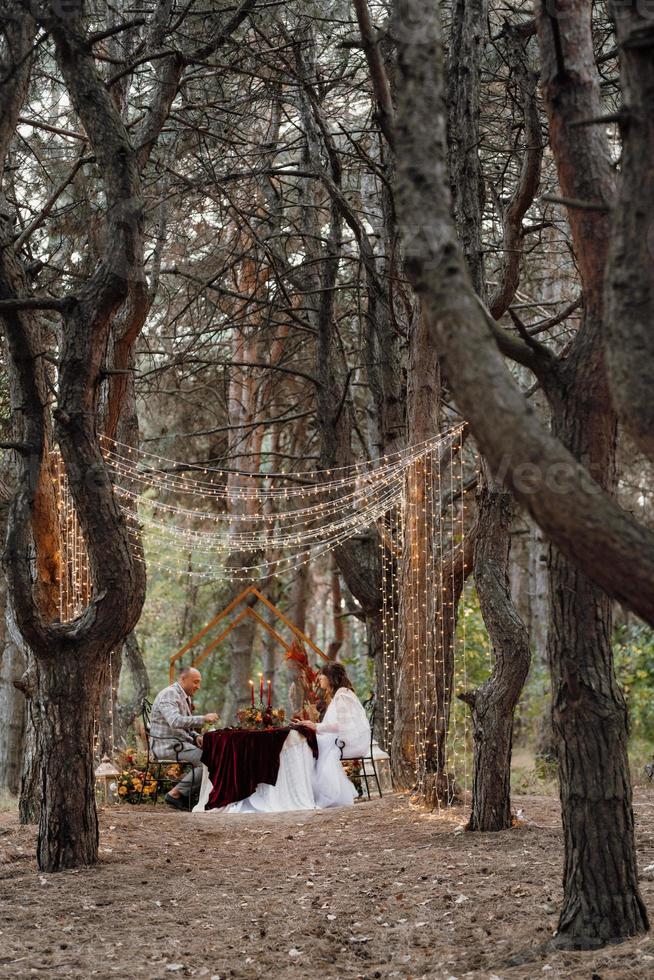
493	704
72	659
103	311
602	899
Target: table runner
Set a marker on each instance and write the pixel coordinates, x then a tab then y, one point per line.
238	759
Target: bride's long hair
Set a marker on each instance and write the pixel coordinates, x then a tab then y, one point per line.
336	675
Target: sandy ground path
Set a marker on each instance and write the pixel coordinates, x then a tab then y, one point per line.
378	890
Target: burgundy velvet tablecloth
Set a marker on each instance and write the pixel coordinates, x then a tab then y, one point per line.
239	758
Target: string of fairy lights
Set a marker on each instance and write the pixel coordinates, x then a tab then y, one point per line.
422	542
193	520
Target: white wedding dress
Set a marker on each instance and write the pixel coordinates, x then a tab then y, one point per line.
344	725
302	782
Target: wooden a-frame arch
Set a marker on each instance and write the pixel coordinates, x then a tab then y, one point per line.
247	611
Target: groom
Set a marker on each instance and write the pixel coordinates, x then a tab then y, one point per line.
173	734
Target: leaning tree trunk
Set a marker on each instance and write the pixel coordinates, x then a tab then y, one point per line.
493	703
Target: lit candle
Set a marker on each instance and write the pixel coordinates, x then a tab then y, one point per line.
261	688
269	694
252	692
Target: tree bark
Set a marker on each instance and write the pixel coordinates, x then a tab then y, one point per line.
589	716
300	596
13	714
337	619
68	824
493	703
601	895
468	34
12	667
29	803
630	290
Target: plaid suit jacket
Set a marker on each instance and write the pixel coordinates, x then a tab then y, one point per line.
172	722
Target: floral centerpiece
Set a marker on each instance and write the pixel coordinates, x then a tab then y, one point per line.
260	717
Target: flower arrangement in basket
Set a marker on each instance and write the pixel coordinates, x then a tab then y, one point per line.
135	782
131	783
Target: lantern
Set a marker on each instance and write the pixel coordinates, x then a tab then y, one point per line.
104	775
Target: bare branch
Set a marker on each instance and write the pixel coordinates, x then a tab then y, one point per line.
378	76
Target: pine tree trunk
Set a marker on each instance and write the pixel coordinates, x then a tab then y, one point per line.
602	900
29	803
68	825
12	713
492	705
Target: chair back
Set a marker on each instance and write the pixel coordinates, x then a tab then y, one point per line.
146	711
370	707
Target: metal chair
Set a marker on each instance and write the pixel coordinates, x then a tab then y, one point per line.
152	762
370	707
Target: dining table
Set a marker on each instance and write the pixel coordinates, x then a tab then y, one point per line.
238	759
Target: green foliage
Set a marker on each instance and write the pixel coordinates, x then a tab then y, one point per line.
471	631
634	666
175	609
470	671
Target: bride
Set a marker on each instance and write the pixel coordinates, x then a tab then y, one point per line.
303	784
344	726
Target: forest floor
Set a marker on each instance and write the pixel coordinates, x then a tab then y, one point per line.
377	890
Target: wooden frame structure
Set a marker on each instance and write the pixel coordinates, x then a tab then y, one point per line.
247	611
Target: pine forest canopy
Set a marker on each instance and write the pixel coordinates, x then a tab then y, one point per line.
250	245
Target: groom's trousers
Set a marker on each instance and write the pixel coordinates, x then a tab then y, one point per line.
193	779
